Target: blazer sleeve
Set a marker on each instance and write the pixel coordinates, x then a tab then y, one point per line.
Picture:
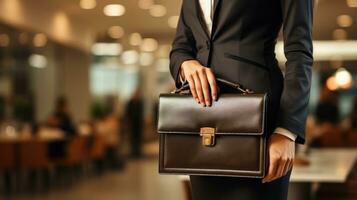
183	48
298	49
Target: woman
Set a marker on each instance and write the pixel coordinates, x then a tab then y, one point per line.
235	40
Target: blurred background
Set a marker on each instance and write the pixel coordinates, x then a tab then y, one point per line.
79	84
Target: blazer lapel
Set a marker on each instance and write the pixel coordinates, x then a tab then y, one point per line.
215	3
214	20
202	21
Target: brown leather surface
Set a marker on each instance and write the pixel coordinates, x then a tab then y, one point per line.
241	156
240	139
179	113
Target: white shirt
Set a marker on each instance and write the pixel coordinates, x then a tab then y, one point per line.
207	10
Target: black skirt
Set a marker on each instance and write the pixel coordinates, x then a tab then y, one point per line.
230	188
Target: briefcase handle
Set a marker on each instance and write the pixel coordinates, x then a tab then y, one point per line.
185	86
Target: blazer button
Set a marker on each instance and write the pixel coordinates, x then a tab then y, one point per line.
208	44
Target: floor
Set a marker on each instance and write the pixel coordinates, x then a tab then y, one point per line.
139	180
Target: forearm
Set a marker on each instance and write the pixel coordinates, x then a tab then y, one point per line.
183	48
297	34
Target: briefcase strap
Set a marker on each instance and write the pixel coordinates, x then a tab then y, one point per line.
185	86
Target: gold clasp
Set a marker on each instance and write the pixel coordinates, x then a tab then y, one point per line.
208	136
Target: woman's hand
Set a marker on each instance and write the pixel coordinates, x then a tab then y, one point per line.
281	156
201	80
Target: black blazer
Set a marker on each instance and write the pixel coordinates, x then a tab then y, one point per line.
241	49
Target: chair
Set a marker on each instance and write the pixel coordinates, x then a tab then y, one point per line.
33	155
97	150
7	155
7	162
77	151
331	136
33	159
352	138
70	166
97	153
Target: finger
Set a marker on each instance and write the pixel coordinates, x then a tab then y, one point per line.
290	166
272	167
218	91
278	170
285	169
191	82
284	164
198	88
212	82
205	88
290	162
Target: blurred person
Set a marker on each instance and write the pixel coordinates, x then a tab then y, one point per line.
235	40
61	117
327	132
107	127
135	117
327	110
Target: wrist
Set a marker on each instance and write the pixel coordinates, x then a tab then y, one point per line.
284	136
187	63
285	132
281	137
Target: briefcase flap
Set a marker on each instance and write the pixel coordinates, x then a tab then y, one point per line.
232	114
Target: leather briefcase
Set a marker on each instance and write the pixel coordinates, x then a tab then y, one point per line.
226	139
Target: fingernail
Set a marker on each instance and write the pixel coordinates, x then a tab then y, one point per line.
208	103
215	98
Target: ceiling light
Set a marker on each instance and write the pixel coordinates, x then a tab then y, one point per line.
172	21
331	83
343	78
344	20
116	32
4	40
130	57
145	4
114	10
352	3
149	45
325	50
135	39
38	61
39	40
88	4
157	10
339	34
107	49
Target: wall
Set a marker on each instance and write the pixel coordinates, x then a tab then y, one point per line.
73	81
44	17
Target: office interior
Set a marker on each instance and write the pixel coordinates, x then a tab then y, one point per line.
79	87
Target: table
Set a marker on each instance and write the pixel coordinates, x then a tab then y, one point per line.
327	165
